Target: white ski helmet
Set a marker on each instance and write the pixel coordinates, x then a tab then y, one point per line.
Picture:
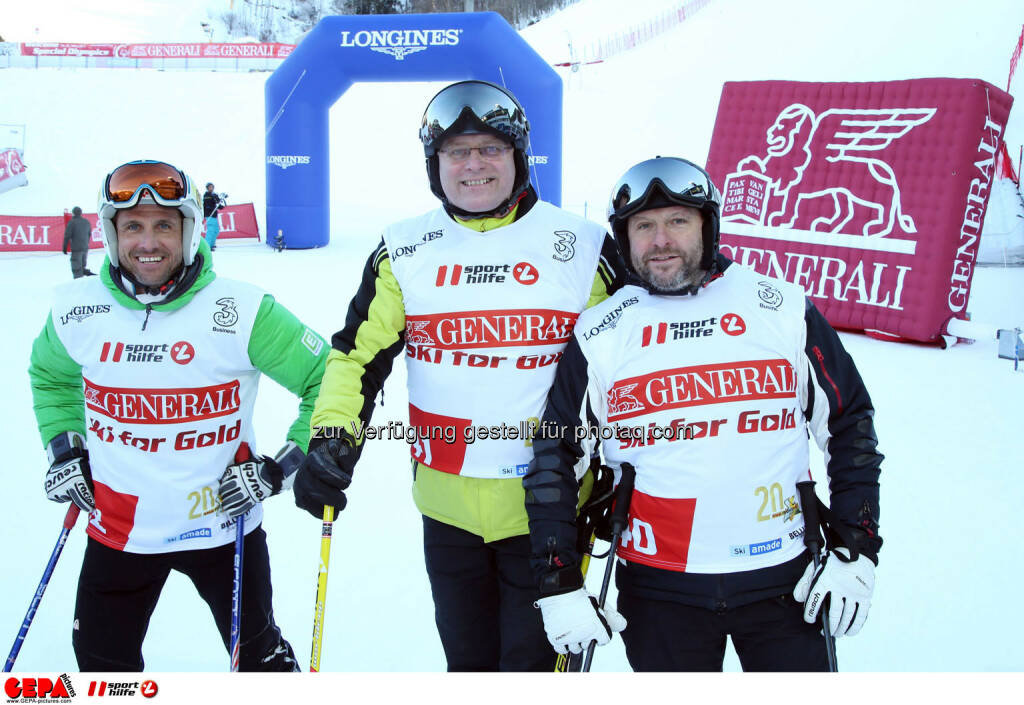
151	182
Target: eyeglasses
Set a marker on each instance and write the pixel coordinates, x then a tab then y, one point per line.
126	183
684	181
490	152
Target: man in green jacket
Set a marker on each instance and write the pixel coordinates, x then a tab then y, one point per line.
144	381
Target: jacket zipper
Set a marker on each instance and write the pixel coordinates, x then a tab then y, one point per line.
821	364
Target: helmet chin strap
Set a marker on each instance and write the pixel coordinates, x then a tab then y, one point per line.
157	290
179	282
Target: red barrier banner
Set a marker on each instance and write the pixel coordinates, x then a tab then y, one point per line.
197	50
26	233
870	196
12	170
200	50
59	49
237	222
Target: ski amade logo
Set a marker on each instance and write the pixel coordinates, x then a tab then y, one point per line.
399	43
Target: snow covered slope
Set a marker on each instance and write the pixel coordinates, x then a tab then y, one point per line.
949	422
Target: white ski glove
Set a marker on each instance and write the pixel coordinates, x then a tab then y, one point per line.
572	620
849	583
69	478
245	484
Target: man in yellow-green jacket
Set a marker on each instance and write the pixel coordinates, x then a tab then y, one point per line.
482	294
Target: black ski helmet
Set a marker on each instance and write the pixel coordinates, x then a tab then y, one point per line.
476	107
662	182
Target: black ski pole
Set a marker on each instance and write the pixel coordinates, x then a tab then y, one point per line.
814	543
570	662
620	516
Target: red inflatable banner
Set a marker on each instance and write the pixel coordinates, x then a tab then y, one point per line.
870	196
12	170
20	233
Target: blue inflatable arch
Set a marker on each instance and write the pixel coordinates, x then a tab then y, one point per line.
342	50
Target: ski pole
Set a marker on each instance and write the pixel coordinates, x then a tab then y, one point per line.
321	588
814	542
620	517
570	662
241	455
69	521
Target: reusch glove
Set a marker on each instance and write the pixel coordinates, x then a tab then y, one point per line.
847	585
572	620
69	478
244	484
324	475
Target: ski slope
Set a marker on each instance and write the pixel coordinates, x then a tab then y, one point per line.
949	422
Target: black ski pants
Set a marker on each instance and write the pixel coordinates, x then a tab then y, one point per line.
768	635
118	591
483	601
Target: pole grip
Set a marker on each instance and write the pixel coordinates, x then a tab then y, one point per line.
72	516
812	521
623	496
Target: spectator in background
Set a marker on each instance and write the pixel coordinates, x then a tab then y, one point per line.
76	234
212	203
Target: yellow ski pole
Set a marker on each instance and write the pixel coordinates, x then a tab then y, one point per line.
321	588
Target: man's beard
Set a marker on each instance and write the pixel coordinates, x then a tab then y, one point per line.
688	274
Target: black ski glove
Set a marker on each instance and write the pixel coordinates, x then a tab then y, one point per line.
324	475
69	478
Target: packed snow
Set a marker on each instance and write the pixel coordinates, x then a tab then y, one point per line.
948	421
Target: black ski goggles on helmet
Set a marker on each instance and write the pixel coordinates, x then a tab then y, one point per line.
681	181
467	106
166	183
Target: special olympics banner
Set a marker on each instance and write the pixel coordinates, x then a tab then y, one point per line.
25	233
12	170
197	50
871	196
60	49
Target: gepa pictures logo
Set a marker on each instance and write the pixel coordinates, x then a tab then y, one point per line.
32	689
400	43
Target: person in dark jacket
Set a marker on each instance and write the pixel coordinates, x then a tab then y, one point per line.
710	377
76	234
212	202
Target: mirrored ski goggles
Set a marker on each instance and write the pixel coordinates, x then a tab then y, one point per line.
125	184
679	179
462	102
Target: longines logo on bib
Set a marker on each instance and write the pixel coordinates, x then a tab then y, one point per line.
399	43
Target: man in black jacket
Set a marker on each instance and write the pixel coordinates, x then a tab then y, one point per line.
707	378
76	234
